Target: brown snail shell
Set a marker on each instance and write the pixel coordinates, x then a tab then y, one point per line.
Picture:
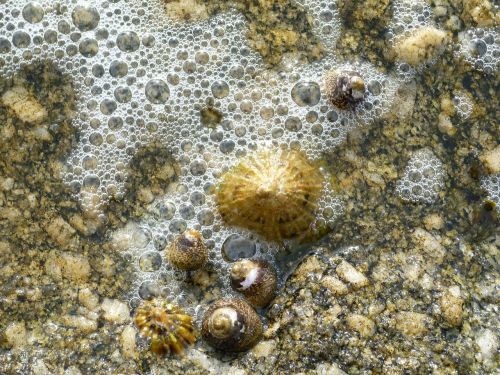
231	325
255	279
188	251
344	88
168	326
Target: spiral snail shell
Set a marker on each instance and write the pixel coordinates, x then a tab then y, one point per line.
188	251
344	88
255	279
231	325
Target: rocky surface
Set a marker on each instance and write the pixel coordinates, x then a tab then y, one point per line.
395	288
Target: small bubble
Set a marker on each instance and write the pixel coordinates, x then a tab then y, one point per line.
115	123
50	36
85	18
98	70
177	226
479	48
148	40
227	146
5	45
164	210
108	106
293	124
198	168
157	91
91	181
96	139
63	27
21	39
123	94
220	89
118	69
128	41
306	94
197	198
375	88
150	261
89	47
33	12
149	290
205	217
236	247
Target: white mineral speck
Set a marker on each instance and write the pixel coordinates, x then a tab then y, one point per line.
264	349
334	285
80	323
128	342
88	299
329	369
351	275
115	311
488	344
491	160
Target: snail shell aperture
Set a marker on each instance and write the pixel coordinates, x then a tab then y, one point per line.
255	279
188	251
231	325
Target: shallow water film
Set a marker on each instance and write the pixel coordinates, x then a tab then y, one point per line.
249	187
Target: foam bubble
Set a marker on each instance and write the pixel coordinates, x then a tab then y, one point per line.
422	179
491	184
480	47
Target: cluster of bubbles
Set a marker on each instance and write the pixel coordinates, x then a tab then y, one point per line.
480	47
408	16
491	184
326	19
463	104
423	178
142	77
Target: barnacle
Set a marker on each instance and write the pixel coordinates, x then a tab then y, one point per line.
168	326
272	192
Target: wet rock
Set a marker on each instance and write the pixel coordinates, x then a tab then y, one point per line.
70	266
361	324
24	105
16	335
411	323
